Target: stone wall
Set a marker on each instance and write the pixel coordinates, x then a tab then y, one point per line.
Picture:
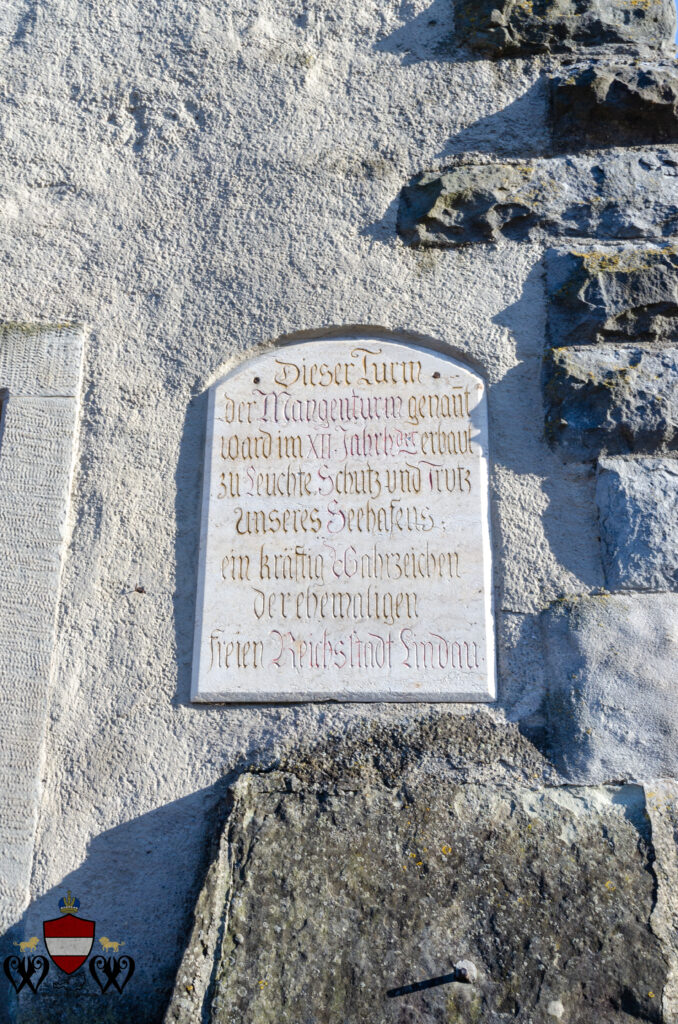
494	180
600	203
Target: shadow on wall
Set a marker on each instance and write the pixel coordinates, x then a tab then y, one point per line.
187	507
516	130
429	36
131	884
513	402
567	518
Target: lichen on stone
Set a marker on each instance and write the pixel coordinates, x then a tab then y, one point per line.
499	28
370	865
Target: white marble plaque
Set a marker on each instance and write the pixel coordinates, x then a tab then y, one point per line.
345	547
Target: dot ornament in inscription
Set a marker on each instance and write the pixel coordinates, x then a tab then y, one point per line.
345	543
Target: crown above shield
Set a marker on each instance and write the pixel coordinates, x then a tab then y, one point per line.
69	904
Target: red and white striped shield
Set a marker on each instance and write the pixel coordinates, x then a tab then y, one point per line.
69	940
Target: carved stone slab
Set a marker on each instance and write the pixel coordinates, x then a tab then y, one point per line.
40	371
345	548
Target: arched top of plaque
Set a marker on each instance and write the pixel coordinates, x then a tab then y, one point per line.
345	543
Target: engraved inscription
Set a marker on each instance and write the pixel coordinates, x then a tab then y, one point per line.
345	547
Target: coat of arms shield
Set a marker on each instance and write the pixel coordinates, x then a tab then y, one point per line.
68	939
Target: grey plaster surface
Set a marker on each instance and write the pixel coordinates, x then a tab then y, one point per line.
638	507
215	178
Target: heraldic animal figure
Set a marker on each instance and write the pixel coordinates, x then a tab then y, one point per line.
29	946
107	944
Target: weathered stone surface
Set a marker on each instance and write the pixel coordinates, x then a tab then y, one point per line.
638	506
467	204
335	883
612	400
473	747
611	703
630	195
614	105
616	295
661	804
500	28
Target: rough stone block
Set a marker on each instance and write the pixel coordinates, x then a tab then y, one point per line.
607	400
611	702
500	28
661	804
336	886
613	295
638	506
630	195
614	105
466	204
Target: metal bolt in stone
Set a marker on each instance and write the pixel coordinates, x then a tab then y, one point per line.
466	971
